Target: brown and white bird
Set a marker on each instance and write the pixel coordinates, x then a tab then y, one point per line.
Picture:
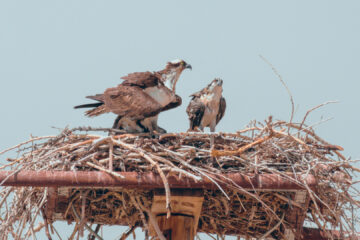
140	98
207	107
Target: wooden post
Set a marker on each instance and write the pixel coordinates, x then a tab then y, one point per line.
177	227
185	212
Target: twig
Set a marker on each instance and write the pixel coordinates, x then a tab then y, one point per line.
314	108
46	224
287	89
216	153
151	216
274	228
111	157
115	174
92	237
88	129
37	211
153	163
26	142
127	233
86	226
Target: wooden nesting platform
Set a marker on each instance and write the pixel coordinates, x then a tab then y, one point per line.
230	212
265	202
240	216
260	182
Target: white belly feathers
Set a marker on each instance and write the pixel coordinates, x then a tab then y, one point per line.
211	102
162	95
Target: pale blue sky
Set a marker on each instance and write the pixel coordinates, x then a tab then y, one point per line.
53	53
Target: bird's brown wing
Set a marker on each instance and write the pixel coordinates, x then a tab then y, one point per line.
196	94
141	79
130	101
195	111
221	112
177	102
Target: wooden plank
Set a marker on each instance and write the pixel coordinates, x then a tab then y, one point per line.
177	227
185	212
296	214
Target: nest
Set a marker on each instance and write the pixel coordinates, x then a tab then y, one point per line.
279	148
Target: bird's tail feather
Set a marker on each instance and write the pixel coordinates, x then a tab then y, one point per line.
96	111
90	105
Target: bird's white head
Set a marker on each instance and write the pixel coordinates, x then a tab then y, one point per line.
215	86
172	72
178	64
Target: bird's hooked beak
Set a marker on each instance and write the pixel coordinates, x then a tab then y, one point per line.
188	66
218	81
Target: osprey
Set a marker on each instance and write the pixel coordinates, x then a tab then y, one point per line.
207	107
140	98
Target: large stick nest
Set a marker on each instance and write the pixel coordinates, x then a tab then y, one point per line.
273	147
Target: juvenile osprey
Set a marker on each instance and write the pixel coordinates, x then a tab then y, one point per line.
140	98
207	107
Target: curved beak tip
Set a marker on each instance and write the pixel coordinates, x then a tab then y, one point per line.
188	66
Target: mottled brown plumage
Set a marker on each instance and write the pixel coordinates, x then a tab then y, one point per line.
140	98
221	113
207	107
142	79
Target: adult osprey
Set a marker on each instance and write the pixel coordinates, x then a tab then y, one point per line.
140	98
207	107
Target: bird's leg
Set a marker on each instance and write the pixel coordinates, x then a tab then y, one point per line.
199	129
115	125
139	124
194	129
155	126
149	125
116	122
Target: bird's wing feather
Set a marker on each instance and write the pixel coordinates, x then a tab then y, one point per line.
195	111
141	79
196	94
130	101
177	102
97	97
221	112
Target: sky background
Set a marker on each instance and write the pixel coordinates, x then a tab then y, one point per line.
54	53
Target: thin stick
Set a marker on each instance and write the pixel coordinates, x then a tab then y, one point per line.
46	224
127	233
37	211
86	226
76	228
92	237
26	142
152	218
314	108
287	89
274	228
111	157
153	163
115	174
216	153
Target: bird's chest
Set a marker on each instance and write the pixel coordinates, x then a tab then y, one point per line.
160	94
211	109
